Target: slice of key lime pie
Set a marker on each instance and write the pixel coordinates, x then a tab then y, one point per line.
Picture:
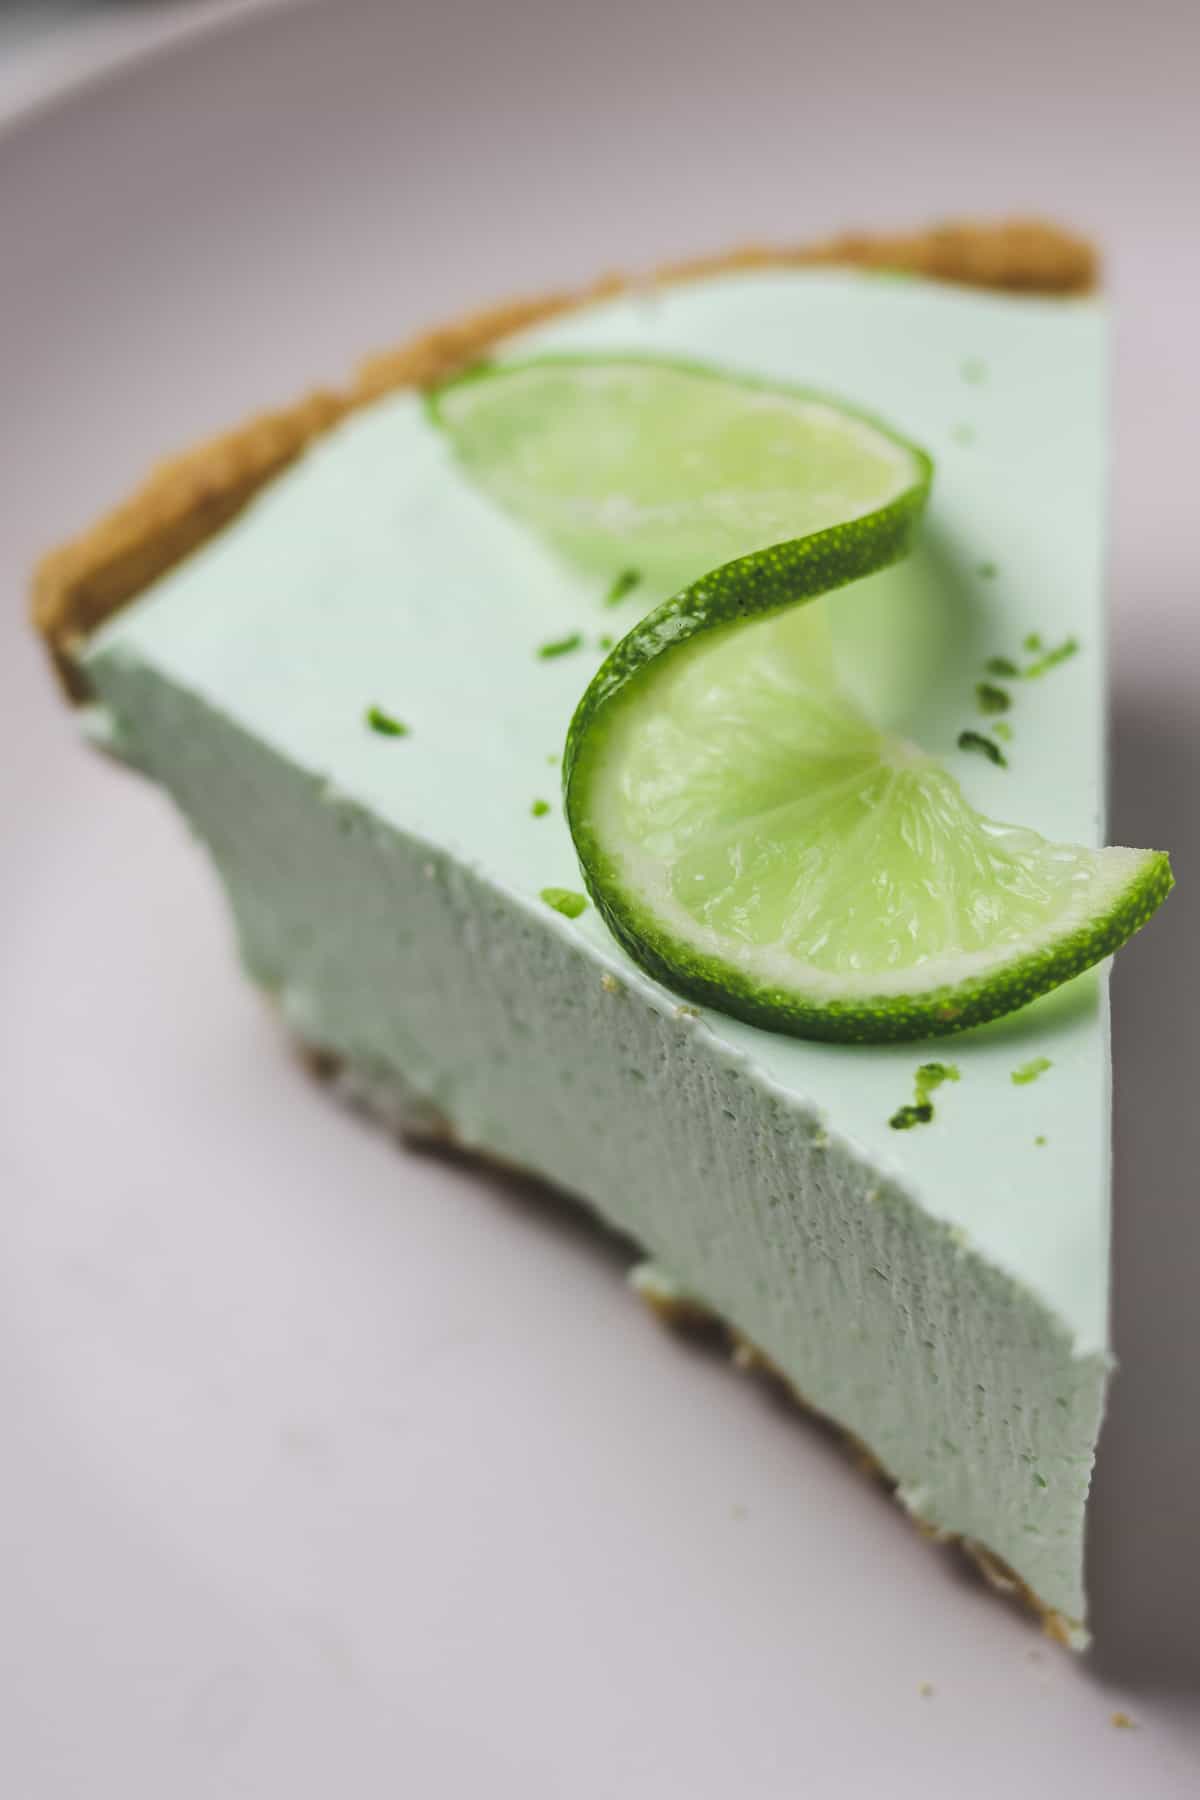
630	727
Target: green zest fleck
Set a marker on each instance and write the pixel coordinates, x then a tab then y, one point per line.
984	746
988	570
561	646
963	434
1052	658
1039	1141
384	723
565	901
992	699
1003	729
1009	670
604	643
623	584
929	1078
974	370
908	1116
1030	1071
540	808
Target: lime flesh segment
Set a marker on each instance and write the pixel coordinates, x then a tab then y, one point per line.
667	468
757	843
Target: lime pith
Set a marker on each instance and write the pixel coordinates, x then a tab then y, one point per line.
744	830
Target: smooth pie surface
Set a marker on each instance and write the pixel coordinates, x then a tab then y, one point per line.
896	1277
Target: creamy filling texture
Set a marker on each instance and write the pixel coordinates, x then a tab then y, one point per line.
941	1291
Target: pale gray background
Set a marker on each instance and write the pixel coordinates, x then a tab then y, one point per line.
332	1470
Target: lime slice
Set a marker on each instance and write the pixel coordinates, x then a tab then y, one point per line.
666	468
748	834
756	843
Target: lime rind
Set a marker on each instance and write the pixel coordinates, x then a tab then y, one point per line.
874	1014
768	581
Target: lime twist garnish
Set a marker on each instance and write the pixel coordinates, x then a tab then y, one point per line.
746	832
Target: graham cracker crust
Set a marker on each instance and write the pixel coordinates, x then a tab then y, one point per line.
188	499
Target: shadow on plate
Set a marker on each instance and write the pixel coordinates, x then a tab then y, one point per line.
1145	1520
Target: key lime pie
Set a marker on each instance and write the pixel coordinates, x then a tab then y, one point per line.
655	737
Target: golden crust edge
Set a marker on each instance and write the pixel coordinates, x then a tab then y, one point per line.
187	499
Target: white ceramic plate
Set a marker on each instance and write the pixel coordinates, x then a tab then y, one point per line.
328	1469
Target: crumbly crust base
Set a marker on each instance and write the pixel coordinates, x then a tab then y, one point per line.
187	500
